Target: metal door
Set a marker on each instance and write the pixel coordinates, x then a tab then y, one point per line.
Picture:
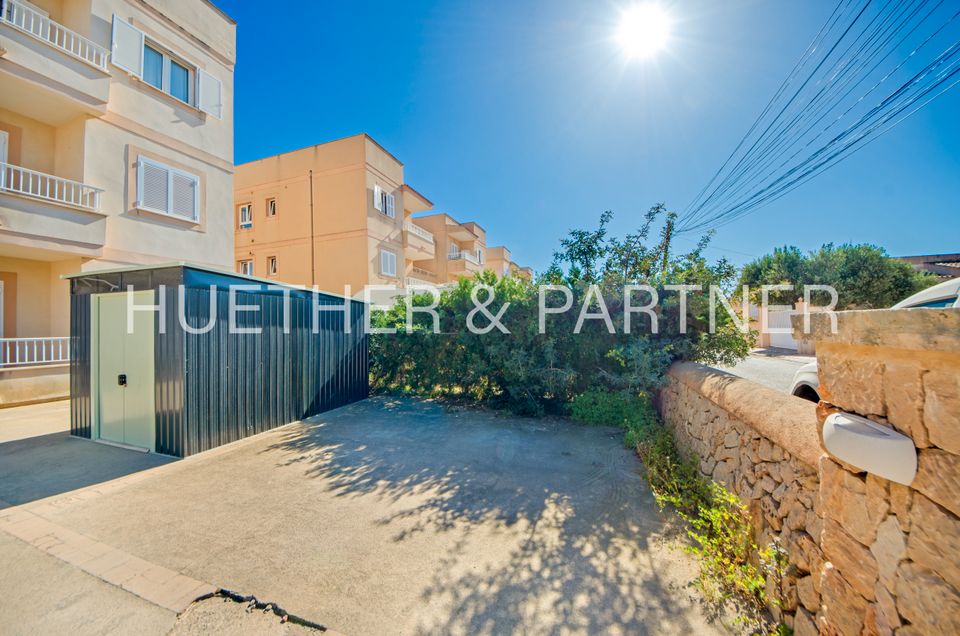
125	374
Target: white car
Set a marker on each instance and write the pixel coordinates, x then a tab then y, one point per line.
806	382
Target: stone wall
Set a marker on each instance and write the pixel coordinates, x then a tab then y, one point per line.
893	550
763	446
869	556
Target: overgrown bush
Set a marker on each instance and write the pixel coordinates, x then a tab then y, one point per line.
533	373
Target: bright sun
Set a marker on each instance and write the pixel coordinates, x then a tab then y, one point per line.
644	29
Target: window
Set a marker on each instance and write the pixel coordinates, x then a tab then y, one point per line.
480	256
245	267
384	202
245	216
271	207
167	190
161	70
388	263
155	65
271	266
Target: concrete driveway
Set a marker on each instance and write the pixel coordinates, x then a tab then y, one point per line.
404	517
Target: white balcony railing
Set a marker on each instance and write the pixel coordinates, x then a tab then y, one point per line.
470	257
417	230
38	185
411	281
21	352
423	272
56	35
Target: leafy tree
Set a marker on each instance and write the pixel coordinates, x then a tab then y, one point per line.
533	373
864	276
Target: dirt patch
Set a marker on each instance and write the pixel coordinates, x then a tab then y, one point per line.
222	615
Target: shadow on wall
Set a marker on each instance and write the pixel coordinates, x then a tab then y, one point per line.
589	555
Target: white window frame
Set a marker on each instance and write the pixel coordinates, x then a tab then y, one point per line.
248	224
377	197
169	58
388	256
390	205
141	161
272	207
245	265
272	266
480	255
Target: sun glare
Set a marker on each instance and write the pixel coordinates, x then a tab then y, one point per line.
644	30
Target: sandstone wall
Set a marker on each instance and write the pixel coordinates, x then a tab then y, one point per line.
762	445
870	556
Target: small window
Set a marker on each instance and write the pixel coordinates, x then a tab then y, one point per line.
388	263
245	216
245	267
271	207
271	266
153	67
480	256
167	190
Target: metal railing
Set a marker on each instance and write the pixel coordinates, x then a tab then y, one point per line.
422	272
38	185
419	282
21	352
419	231
43	28
470	257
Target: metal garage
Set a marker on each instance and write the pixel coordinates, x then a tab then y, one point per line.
180	379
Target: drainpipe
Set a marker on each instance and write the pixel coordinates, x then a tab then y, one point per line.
313	258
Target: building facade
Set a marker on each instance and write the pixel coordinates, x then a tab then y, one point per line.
340	214
116	148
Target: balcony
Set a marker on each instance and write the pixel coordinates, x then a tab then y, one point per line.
419	282
44	212
45	187
418	243
463	263
50	72
42	28
33	352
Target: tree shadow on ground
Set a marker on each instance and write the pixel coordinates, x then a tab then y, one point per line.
589	550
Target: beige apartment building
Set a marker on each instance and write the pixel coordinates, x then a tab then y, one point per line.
116	148
340	213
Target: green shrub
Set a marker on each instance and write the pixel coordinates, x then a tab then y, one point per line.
606	408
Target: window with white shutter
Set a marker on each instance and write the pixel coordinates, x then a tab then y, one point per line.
126	49
377	198
388	263
391	207
245	216
167	190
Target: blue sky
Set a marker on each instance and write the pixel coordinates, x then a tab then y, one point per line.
523	116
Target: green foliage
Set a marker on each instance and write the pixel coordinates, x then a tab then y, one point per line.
605	408
864	276
532	373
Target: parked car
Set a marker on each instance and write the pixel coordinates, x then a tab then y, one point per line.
806	381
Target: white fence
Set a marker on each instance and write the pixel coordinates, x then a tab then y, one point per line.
22	352
38	185
43	28
419	231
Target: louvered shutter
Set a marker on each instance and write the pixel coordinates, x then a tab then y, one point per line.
391	206
209	94
183	195
126	50
152	184
377	198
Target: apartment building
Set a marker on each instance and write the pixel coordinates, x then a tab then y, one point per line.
330	215
116	148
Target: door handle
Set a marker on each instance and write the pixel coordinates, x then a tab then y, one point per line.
122	379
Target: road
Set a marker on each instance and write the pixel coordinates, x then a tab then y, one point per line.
770	367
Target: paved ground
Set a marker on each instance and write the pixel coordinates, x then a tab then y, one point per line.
771	367
20	422
401	517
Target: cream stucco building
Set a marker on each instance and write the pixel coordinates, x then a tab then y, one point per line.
340	213
116	146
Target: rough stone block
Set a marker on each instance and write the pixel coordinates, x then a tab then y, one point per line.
804	625
853	380
806	593
935	540
844	497
938	477
854	561
941	408
889	549
903	394
926	600
843	609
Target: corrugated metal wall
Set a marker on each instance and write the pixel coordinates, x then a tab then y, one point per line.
216	387
80	405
